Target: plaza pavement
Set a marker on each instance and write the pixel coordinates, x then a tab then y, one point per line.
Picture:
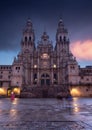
45	114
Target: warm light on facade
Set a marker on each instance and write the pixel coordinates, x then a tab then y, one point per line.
35	66
75	92
54	66
2	91
16	90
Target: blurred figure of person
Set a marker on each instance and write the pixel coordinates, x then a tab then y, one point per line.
12	96
69	100
64	99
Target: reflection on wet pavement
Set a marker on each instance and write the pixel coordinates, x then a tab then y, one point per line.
46	114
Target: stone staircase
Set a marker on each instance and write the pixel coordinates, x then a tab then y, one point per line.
41	92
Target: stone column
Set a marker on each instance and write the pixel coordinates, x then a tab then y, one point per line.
26	73
38	72
51	76
52	70
31	77
58	70
32	71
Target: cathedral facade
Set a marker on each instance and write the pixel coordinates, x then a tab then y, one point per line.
44	70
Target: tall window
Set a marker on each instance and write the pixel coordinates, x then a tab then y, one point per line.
29	38
55	78
35	78
1	84
60	38
64	38
1	76
26	39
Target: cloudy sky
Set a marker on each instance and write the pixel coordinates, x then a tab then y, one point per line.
45	14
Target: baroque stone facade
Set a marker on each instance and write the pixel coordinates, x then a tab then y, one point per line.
45	70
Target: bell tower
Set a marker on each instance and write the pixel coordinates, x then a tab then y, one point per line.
62	41
28	38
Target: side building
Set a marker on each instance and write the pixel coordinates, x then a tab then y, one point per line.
45	70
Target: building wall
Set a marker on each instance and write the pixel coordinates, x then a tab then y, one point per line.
81	91
5	75
44	65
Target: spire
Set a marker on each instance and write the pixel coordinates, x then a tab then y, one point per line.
45	37
61	27
61	31
28	36
45	40
60	23
29	23
44	28
28	32
60	19
29	26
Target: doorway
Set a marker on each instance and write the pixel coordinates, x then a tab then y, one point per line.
45	80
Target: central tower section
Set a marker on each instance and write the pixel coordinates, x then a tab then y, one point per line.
45	52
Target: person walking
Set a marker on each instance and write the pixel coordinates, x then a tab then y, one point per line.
12	96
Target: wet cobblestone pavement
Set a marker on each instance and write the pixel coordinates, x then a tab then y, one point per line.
46	114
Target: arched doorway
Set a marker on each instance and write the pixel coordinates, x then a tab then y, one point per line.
45	79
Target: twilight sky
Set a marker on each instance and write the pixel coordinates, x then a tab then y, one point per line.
45	15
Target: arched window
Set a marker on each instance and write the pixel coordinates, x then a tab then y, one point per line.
25	38
35	76
47	75
43	75
64	38
55	76
29	38
60	38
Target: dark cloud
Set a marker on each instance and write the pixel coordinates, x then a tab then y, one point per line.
76	14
